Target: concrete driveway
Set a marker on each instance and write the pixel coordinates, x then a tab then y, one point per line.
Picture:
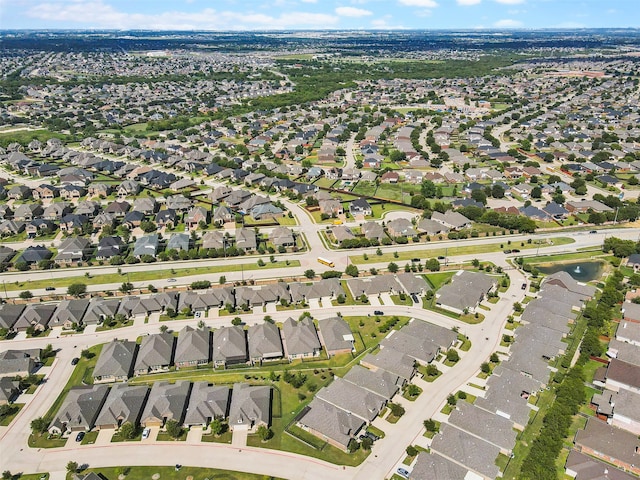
375	301
240	434
104	436
314	303
194	435
386	299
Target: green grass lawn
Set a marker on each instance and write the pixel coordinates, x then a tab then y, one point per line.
222	438
14	410
197	473
450	251
147	276
438	279
46	441
399	301
90	438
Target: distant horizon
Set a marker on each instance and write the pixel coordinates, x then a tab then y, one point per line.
318	15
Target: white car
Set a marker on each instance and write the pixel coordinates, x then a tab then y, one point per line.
145	433
171	280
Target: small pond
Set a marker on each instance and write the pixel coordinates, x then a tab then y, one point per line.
581	271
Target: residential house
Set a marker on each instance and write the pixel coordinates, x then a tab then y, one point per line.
300	339
331	207
166	218
179	242
610	444
155	354
118	208
123	405
373	231
69	313
36	316
9	390
9	315
282	237
360	207
400	227
206	403
264	343
147	245
246	239
229	346
167	401
222	215
336	336
330	423
73	250
250	407
109	247
79	409
99	310
451	219
19	363
193	347
196	215
351	398
465	292
115	362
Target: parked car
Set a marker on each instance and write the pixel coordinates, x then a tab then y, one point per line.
49	289
507	251
403	472
415	260
378	312
80	436
515	250
146	432
593	231
414	297
75	361
524	286
441	257
171	280
372	436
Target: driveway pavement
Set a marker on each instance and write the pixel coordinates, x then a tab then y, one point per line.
104	436
386	299
194	435
239	438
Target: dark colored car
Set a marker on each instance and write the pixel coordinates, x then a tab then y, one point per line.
75	361
414	297
80	436
441	257
49	289
524	286
378	312
416	260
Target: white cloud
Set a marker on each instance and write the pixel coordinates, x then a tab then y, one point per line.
508	23
468	2
97	14
510	2
352	12
419	3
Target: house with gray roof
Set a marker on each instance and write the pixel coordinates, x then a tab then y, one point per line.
246	239
432	465
564	280
19	362
451	219
627	352
584	467
393	361
492	428
179	242
401	227
193	347
9	390
300	339
380	382
9	315
336	336
628	331
610	444
431	227
115	363
73	249
353	399
373	231
420	349
100	309
507	395
155	354
250	406
465	292
622	376
146	245
330	423
123	404
36	316
69	312
282	236
626	411
229	346
206	403
79	410
374	285
413	283
167	401
264	343
474	453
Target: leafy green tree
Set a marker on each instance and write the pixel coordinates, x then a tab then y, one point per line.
26	295
351	270
412	451
309	273
173	428
485	368
366	443
397	410
126	287
430	425
452	355
128	430
452	400
217	427
264	432
72	467
428	189
77	289
392	267
39	425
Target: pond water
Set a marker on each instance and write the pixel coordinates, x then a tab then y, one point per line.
581	271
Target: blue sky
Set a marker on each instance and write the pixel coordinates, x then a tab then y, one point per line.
317	14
